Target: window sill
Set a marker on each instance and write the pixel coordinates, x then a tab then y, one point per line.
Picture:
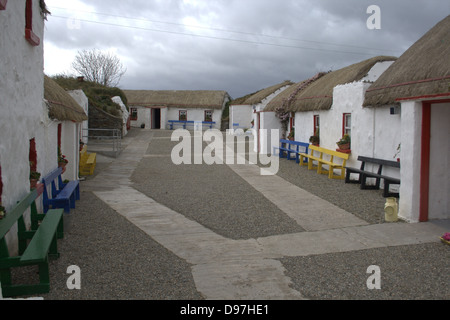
349	151
32	38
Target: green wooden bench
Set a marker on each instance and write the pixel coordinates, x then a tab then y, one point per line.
36	245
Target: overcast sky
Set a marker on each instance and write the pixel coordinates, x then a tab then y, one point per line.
240	46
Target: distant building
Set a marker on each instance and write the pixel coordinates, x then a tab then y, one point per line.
153	109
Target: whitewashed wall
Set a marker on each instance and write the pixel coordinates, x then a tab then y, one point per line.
21	107
411	122
143	117
83	101
409	203
439	203
375	132
125	114
193	115
70	147
268	122
241	114
304	125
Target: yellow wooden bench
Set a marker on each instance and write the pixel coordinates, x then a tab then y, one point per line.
87	162
325	157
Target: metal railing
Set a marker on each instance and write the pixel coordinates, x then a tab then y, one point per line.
105	141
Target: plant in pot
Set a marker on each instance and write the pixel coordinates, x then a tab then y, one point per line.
2	212
62	161
344	143
315	139
34	178
291	135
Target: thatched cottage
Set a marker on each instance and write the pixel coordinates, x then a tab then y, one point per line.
153	109
22	94
21	104
63	129
417	88
278	115
332	106
242	109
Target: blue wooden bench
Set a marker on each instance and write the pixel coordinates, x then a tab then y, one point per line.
289	146
61	195
36	245
172	123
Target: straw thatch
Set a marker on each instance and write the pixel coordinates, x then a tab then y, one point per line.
319	94
177	99
423	70
61	106
260	95
283	100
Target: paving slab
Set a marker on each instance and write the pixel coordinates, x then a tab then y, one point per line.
248	269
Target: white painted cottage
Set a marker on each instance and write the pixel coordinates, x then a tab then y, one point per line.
22	111
242	109
263	122
332	106
417	89
63	127
154	109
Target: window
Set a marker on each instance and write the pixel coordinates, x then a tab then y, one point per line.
3	4
133	114
183	115
347	124
29	34
316	124
208	115
292	121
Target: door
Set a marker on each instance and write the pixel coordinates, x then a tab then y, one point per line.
156	118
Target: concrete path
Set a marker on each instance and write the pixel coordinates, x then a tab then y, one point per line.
247	269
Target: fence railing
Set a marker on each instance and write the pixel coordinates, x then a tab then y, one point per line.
105	141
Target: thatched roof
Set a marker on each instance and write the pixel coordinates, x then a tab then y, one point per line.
284	99
260	95
319	95
177	99
61	106
424	69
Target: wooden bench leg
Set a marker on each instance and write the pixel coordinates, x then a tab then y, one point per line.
348	180
331	174
387	193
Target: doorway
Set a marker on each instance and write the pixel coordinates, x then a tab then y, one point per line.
156	118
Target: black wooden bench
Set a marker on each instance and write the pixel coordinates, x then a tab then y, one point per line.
363	174
61	195
290	146
36	245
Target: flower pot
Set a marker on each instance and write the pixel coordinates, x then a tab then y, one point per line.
33	183
345	146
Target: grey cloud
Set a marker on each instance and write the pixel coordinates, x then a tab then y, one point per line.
307	37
